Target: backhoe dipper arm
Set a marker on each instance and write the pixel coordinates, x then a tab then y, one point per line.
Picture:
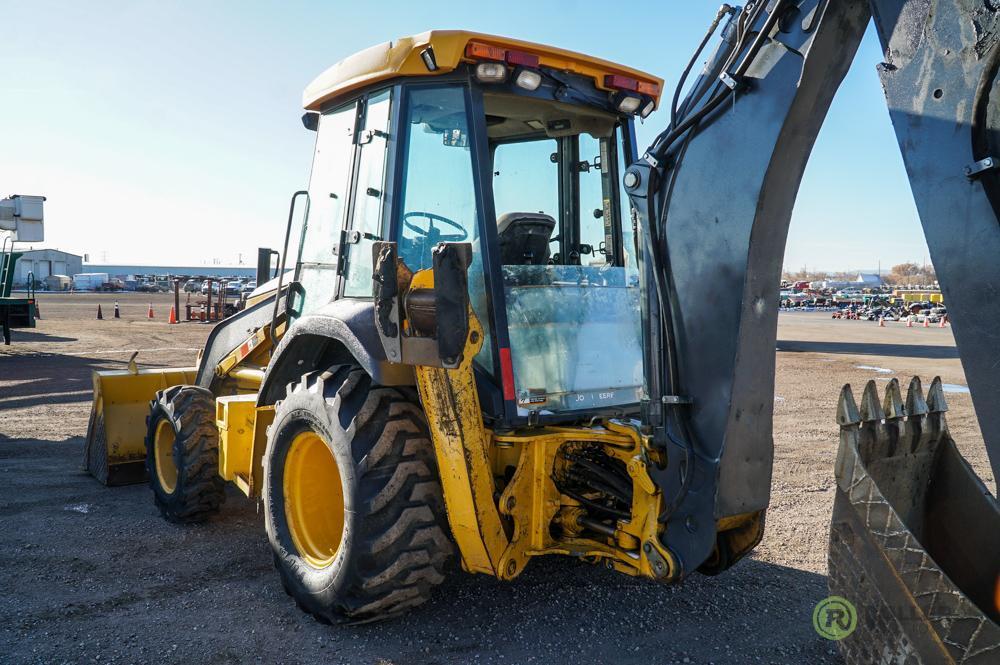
713	198
940	78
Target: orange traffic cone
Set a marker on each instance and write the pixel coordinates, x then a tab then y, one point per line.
173	315
118	313
909	322
100	317
149	314
926	324
881	322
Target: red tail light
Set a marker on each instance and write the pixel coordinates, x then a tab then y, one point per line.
619	82
507	374
522	59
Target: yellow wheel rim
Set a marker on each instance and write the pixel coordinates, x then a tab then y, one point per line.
314	499
163	452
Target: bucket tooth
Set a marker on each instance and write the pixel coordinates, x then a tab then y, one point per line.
937	426
920	432
875	438
893	404
871	408
847	409
848	418
916	406
936	402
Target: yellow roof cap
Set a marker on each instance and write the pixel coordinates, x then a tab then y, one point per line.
402	58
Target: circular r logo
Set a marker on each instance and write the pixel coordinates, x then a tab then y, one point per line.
835	618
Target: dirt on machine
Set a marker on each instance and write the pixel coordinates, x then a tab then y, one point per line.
504	333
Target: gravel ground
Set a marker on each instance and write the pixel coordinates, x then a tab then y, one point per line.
91	574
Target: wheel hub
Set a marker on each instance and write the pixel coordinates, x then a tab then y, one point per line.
163	447
314	499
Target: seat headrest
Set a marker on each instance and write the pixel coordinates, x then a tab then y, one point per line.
505	220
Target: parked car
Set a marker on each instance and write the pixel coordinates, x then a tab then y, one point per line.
249	287
215	287
234	288
192	286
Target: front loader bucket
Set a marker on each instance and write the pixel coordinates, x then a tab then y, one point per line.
115	451
915	537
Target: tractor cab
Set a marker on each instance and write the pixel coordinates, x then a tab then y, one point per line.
516	150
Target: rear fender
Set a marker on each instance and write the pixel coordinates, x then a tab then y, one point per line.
338	333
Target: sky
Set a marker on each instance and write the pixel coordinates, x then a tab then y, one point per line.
168	133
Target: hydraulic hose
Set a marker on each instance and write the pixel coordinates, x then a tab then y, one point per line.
723	11
658	249
667	138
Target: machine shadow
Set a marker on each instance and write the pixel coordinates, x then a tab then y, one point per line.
25	336
634	618
868	349
44	379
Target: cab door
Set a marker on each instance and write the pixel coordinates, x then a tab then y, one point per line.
365	218
329	190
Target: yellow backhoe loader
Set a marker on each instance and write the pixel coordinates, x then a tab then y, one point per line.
504	333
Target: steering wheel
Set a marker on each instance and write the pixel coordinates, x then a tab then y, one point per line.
432	233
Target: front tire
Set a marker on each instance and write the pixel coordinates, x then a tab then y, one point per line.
353	504
182	454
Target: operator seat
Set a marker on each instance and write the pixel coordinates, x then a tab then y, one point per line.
524	238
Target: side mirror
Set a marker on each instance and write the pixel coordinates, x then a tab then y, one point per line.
310	121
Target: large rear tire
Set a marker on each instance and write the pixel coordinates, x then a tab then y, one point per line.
353	504
182	454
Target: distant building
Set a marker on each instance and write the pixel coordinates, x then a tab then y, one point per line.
868	281
44	262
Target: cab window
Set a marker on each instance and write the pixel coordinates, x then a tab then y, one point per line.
438	190
567	292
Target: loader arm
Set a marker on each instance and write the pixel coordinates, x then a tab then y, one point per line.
713	198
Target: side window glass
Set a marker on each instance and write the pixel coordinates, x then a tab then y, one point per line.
526	180
596	212
368	202
328	193
438	191
629	249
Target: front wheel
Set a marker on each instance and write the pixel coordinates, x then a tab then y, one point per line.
353	504
182	454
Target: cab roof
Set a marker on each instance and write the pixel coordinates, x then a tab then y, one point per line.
403	58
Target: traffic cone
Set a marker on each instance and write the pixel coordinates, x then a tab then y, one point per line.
909	322
38	312
926	324
149	314
881	322
173	315
942	322
118	314
100	317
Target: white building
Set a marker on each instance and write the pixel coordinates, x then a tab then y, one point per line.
868	281
45	262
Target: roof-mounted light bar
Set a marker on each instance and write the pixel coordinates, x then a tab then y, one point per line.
632	96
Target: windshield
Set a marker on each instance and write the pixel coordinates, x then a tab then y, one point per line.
574	336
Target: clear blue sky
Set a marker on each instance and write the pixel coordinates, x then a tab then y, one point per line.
168	132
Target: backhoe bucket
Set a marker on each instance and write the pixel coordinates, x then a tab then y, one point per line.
115	451
915	537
